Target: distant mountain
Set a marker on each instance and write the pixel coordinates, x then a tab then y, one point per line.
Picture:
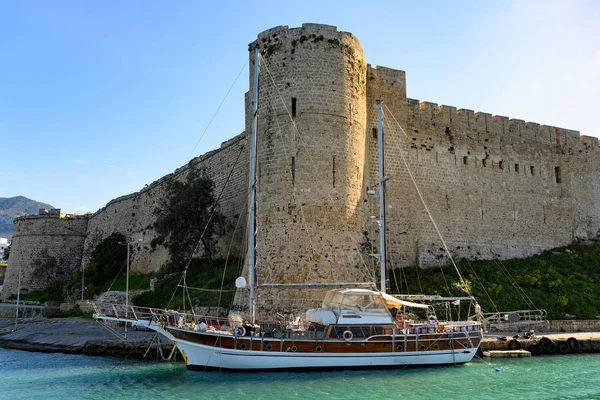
13	207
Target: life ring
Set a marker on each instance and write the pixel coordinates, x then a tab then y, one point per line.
347	335
240	331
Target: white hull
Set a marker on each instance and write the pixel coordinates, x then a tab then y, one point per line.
202	357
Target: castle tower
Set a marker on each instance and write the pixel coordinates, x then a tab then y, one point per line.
311	154
46	249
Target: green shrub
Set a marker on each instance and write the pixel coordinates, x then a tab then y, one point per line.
199	275
561	281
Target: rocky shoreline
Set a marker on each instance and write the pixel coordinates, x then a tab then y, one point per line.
77	335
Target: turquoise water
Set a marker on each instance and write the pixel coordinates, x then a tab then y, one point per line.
25	375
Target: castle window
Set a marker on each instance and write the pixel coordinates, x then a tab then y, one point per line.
374	133
532	170
557	176
465	160
293	170
333	171
484	162
501	164
293	107
517	168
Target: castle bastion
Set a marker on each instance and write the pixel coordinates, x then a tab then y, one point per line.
496	187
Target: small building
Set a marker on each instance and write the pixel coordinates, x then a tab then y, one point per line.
3	244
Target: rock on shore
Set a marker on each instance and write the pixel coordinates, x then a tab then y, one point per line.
77	336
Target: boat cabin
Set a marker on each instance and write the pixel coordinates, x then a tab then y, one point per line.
356	306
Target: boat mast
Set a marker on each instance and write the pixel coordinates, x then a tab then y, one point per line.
382	252
252	200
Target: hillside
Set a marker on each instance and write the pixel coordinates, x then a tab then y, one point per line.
12	207
563	281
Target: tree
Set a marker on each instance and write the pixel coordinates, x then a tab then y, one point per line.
6	253
188	214
107	259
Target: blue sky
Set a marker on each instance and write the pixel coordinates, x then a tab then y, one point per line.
98	99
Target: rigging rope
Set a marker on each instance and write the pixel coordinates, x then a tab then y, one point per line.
237	224
213	210
218	108
117	277
515	284
435	226
300	138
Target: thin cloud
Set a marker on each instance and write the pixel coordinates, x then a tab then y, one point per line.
81	162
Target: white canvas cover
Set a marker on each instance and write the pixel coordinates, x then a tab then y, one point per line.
391	301
321	316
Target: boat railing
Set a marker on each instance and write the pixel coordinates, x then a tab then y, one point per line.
120	312
499	320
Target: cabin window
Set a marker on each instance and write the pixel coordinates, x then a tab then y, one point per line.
293	107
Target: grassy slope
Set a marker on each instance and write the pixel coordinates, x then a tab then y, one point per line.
562	281
199	275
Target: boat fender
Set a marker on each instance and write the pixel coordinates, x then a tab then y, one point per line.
240	331
535	349
547	345
563	347
573	345
347	335
514	345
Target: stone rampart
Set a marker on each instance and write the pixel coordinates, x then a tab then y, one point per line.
45	250
134	215
496	187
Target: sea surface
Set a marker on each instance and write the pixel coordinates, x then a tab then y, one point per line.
25	375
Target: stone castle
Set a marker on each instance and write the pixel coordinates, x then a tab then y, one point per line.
496	187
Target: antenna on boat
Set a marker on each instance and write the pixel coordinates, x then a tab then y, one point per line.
252	200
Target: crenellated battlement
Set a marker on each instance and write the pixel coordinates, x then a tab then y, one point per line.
509	129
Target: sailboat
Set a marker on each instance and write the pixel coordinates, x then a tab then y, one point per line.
355	327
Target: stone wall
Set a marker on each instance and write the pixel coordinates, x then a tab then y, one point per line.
496	187
133	215
46	249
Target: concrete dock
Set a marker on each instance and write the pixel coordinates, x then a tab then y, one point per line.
543	344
